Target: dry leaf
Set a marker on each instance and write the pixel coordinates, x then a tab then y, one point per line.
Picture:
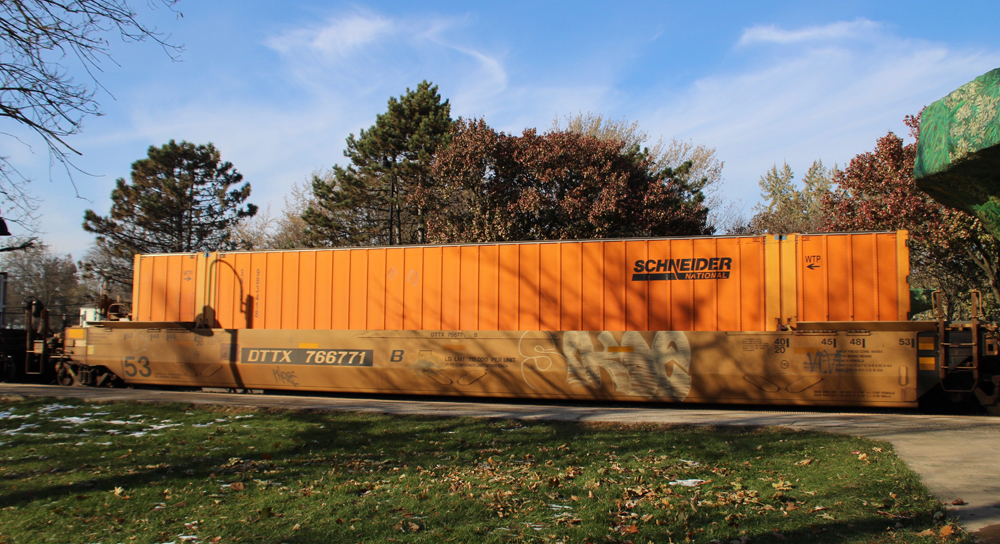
928	532
863	456
237	486
630	530
958	502
413	527
947	530
804	462
296	527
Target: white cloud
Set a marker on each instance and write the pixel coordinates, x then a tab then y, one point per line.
800	104
859	28
334	40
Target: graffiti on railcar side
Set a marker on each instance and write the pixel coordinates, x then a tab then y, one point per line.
285	377
636	368
543	350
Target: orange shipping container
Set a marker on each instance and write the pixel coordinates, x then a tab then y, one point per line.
751	283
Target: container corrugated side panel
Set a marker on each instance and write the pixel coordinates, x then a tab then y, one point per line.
571	280
550	286
431	301
489	288
587	285
394	281
164	287
592	304
614	286
324	290
636	298
468	293
852	277
188	309
340	306
528	288
307	290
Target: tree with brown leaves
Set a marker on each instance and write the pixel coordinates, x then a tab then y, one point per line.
558	185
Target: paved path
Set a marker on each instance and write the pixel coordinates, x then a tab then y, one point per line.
956	456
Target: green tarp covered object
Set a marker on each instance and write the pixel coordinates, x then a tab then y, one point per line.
958	158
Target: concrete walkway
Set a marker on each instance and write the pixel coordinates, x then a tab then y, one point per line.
956	456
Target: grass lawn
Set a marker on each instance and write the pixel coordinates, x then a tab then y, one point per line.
81	472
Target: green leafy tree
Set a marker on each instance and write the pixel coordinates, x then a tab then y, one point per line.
558	185
387	193
787	208
182	197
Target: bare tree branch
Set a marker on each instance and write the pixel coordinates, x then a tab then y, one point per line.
39	41
26	245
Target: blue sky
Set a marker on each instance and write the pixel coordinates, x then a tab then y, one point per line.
278	86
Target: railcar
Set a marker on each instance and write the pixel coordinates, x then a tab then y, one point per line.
816	320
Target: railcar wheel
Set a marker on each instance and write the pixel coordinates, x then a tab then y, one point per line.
64	376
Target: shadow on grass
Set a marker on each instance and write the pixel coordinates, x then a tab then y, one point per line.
610	477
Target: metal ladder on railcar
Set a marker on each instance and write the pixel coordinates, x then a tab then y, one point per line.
962	346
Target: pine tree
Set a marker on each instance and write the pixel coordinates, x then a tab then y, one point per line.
387	193
787	209
181	198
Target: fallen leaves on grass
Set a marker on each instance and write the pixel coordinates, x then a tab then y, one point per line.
782	485
406	527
